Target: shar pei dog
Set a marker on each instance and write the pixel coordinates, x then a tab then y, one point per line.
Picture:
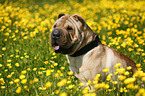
85	54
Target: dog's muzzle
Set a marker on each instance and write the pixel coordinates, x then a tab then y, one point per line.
56	34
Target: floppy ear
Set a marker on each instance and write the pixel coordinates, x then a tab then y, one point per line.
81	19
60	15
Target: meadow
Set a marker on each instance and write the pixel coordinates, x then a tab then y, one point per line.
29	66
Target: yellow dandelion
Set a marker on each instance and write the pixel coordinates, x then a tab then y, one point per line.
121	89
48	72
11	82
85	91
105	70
1	65
56	91
3	87
28	69
24	72
26	88
22	76
129	68
138	65
4	48
18	90
9	76
70	73
11	55
48	84
89	82
121	77
106	86
81	84
114	82
34	69
27	56
120	70
17	56
126	73
24	81
56	75
55	64
129	80
36	80
130	86
71	86
63	94
117	65
138	74
62	68
17	64
9	61
90	94
143	78
141	92
109	77
46	62
62	82
16	80
26	37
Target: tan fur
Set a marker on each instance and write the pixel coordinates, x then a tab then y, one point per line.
85	67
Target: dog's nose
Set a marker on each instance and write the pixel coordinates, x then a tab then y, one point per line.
56	34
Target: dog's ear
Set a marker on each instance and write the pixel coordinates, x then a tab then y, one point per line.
60	15
81	19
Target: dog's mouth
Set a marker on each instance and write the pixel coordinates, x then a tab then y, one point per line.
59	49
56	46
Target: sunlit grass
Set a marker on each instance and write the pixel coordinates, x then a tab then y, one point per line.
30	67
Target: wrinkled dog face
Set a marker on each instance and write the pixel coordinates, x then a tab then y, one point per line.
65	33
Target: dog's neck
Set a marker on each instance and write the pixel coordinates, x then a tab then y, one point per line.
87	47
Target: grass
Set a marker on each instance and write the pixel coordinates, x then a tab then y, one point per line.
30	67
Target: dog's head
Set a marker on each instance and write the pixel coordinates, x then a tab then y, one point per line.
70	33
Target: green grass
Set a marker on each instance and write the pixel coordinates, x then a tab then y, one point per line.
25	52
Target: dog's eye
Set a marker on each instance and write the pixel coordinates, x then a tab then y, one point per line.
54	26
69	29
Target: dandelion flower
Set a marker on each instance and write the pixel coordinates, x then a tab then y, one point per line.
63	94
17	64
46	62
34	69
11	82
121	77
129	80
120	70
36	80
129	67
56	91
3	87
24	72
89	82
143	78
71	86
1	65
81	84
105	70
24	81
22	76
48	84
16	80
48	72
4	48
138	65
126	73
70	73
18	90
